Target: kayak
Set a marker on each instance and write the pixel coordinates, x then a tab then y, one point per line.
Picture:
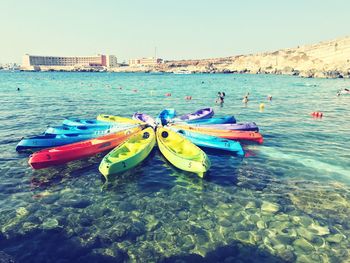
144	118
128	154
165	116
222	120
227	134
199	114
213	142
75	151
181	152
84	122
100	130
248	126
111	118
52	140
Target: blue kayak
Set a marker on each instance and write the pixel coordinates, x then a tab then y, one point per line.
165	116
83	129
52	140
84	122
222	120
212	142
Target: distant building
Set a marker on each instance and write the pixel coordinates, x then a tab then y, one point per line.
145	61
111	61
67	63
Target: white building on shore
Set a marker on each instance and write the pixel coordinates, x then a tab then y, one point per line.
145	61
44	63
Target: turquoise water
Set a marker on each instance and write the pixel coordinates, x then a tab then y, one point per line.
288	200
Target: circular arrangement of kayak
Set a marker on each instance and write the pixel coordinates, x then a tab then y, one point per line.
180	139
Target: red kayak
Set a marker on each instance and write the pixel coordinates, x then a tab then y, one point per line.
70	152
227	134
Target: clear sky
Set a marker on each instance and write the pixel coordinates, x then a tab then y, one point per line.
180	29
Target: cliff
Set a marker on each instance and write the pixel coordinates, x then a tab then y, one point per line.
329	59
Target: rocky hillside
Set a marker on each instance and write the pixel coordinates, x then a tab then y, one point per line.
330	59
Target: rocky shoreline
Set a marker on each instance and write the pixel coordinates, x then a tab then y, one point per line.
330	59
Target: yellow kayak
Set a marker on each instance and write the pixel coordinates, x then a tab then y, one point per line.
129	154
181	152
111	118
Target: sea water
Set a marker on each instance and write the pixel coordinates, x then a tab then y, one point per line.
286	200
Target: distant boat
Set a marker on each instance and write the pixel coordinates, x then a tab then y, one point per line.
182	72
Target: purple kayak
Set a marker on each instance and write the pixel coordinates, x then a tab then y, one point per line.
199	114
145	118
247	126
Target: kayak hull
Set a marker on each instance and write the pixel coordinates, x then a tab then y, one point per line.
222	120
84	122
227	134
129	154
144	118
205	113
71	152
208	141
181	153
82	129
248	126
118	119
51	140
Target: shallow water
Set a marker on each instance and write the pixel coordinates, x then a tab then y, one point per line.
287	200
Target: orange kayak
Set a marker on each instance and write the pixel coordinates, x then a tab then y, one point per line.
79	150
227	134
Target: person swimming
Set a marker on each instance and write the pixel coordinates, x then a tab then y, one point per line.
246	98
220	98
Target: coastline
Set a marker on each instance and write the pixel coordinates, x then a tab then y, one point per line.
328	59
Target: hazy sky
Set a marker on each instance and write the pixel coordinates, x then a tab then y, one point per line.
179	29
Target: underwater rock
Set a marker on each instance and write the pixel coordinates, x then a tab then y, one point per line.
21	212
188	243
183	215
303	245
319	230
49	198
319	242
237	217
225	222
28	227
6	258
288	254
127	206
305	221
269	207
255	218
286	238
152	223
50	224
201	236
305	233
10	227
81	203
136	229
119	231
337	238
207	224
261	224
244	237
282	217
250	204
